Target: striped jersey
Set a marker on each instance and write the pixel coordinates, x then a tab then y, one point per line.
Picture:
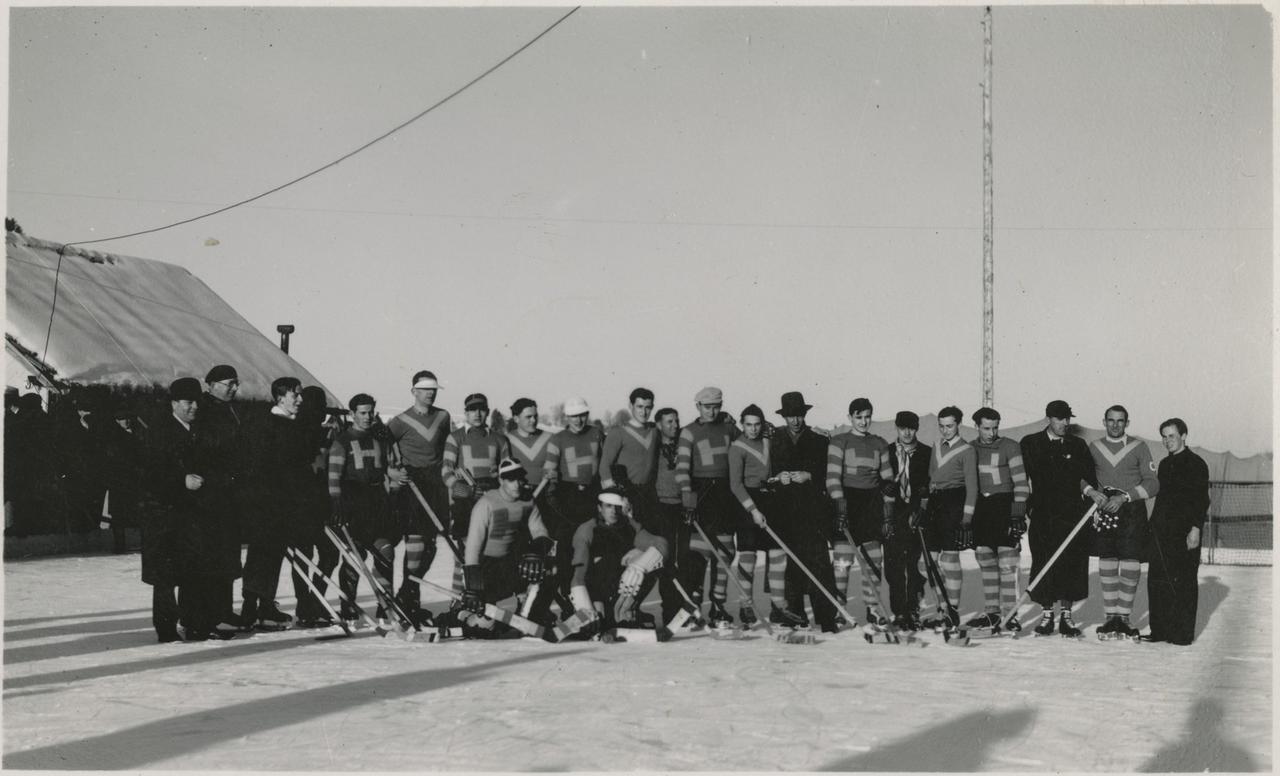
476	449
496	520
574	458
857	461
420	437
634	447
748	468
356	456
1125	464
704	452
665	476
1000	468
955	465
530	452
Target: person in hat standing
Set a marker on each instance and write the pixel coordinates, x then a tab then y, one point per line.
418	436
998	519
798	461
857	469
1127	475
1061	473
220	421
572	467
1177	521
281	457
477	450
122	460
612	557
78	457
953	495
177	540
702	471
909	458
507	546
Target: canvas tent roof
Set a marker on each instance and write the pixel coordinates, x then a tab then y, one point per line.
1223	467
125	320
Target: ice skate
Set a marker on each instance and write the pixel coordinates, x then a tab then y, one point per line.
1067	628
747	615
787	618
1045	626
1107	630
988	621
718	617
271	618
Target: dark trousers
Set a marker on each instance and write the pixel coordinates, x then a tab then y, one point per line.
325	556
1173	589
670	522
262	570
902	564
813	555
194	603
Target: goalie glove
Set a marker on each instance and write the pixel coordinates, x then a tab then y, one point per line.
473	589
533	566
460	490
1017	527
638	564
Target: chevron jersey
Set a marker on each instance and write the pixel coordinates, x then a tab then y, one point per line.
955	465
420	437
1125	464
476	449
356	456
530	452
632	446
704	452
1000	468
574	458
495	526
748	468
857	461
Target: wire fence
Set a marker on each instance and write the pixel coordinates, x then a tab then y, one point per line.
1238	529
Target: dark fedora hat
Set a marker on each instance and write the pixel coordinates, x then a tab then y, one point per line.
793	404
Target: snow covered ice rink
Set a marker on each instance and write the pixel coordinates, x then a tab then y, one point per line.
86	686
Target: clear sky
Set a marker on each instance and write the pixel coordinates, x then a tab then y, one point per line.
764	199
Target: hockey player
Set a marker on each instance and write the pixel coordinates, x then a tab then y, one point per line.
910	461
528	442
1061	472
506	549
999	519
358	485
670	513
798	461
1176	523
470	468
857	468
702	471
418	438
953	495
630	457
1125	471
612	556
750	479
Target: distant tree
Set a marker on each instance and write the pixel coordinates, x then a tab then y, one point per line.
496	421
621	418
554	416
607	419
11	225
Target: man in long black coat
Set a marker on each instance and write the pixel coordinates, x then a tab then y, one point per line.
798	457
177	540
1174	551
1061	470
223	432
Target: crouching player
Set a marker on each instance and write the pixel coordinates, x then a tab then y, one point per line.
502	522
612	555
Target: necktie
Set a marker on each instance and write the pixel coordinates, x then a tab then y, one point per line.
904	476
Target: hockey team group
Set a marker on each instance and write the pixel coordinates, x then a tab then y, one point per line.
564	535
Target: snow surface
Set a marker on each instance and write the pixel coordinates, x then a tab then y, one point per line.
86	686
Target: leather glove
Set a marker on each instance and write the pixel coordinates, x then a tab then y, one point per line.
689	500
336	517
458	529
533	565
473	589
1017	527
689	516
460	490
916	520
964	538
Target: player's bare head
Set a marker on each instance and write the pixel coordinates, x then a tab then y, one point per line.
525	413
363	410
1116	420
860	414
641	400
752	419
949	422
668	422
1173	432
988	423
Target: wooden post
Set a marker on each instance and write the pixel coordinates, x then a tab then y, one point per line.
988	271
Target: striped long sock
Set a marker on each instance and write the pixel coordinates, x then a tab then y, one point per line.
747	574
777	576
720	585
1009	562
1130	573
870	585
843	552
990	577
1109	576
952	575
414	549
457	569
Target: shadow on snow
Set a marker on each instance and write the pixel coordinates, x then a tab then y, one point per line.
959	744
1202	748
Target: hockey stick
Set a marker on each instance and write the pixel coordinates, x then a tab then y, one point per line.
364	615
457	553
849	618
351	555
727	559
891	632
1005	617
294	555
523	624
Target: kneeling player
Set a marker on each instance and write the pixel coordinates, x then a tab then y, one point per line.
501	521
612	555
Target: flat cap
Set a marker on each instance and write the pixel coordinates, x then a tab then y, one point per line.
476	400
709	395
907	419
221	372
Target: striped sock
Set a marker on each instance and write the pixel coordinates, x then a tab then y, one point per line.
1009	561
1109	576
720	583
871	586
952	575
843	552
1130	573
747	574
990	577
414	548
777	577
458	584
